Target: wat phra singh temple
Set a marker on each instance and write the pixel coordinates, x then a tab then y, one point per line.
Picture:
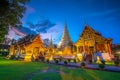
90	45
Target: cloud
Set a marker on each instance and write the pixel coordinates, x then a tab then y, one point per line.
14	33
55	31
26	30
11	34
46	28
17	32
42	26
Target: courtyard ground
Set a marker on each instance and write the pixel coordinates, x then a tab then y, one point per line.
20	70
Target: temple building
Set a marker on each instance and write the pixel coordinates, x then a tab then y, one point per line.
29	48
65	45
91	41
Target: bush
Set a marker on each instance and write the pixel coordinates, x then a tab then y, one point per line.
47	61
83	64
103	62
4	53
116	62
74	60
56	61
60	59
65	62
12	57
68	60
101	66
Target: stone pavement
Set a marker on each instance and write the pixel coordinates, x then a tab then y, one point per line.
91	66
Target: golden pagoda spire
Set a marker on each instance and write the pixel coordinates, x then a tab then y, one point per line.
65	40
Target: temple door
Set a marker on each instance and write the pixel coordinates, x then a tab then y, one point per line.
35	52
91	48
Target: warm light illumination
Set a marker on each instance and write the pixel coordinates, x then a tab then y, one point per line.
66	51
51	58
98	60
80	57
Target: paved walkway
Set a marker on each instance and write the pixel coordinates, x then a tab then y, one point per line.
50	69
91	66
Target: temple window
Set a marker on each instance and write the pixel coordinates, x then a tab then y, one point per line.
23	51
36	50
89	36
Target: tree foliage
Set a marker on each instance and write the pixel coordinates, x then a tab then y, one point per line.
11	12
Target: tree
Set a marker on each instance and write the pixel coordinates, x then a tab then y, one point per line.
11	12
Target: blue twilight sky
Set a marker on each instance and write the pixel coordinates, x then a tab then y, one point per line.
47	17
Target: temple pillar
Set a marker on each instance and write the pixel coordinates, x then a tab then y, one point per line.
77	48
109	48
73	48
11	50
95	49
84	46
95	46
106	47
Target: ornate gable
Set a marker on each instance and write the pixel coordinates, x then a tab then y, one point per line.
90	35
38	39
87	33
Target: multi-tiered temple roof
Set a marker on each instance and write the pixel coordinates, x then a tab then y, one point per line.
65	40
